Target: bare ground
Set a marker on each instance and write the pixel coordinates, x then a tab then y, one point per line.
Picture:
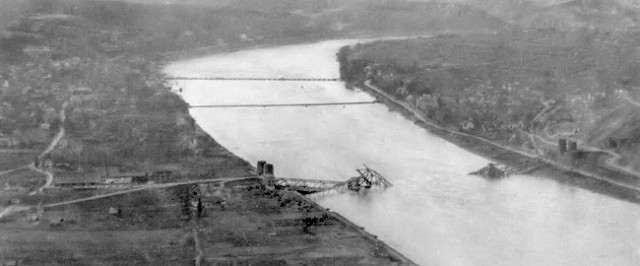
240	225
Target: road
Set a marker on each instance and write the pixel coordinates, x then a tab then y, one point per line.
420	117
48	182
18	208
13	170
611	162
53	142
557	165
46	151
152	186
48	174
52	145
12	209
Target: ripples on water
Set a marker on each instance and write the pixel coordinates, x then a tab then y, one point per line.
435	214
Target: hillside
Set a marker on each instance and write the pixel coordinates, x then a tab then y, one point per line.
603	14
512	86
117	109
100	59
508	9
11	10
87	123
401	17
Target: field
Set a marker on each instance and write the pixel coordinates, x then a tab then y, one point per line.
10	159
24	177
217	225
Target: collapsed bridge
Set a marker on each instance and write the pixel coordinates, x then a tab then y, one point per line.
367	179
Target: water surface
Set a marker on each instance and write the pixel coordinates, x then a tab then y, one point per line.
435	213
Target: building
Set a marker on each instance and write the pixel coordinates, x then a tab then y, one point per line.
467	125
265	170
118	180
76	181
126	178
161	176
618	142
110	178
562	145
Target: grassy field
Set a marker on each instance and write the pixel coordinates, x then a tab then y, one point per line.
148	231
150	247
26	178
11	159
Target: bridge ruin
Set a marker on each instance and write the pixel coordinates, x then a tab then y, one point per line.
367	179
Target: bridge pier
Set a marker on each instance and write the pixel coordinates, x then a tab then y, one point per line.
265	171
368	179
260	167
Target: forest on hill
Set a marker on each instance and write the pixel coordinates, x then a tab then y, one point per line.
580	84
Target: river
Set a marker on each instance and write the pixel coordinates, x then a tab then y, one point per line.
435	214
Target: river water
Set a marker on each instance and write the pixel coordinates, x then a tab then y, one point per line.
435	213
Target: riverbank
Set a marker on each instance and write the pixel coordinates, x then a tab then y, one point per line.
187	54
121	119
385	254
238	222
435	213
574	176
471	94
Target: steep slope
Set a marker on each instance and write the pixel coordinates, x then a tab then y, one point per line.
419	16
497	85
507	9
603	14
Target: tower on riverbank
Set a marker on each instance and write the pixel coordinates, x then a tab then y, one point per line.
265	170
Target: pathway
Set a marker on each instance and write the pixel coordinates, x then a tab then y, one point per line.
51	146
13	170
12	209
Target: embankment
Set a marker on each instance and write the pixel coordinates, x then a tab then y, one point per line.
583	178
382	247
